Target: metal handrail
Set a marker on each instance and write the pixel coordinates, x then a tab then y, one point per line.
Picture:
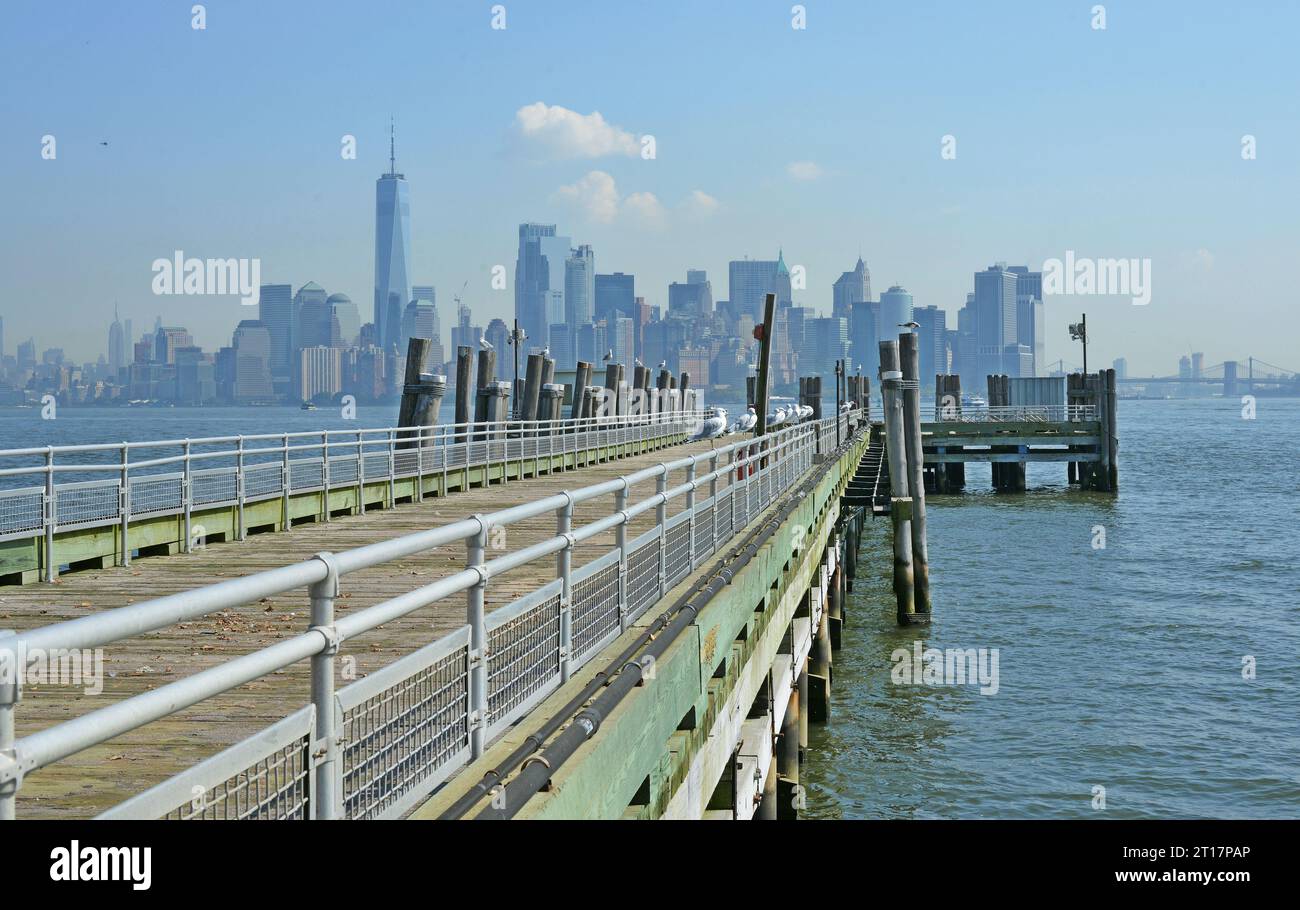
27	512
1040	413
760	467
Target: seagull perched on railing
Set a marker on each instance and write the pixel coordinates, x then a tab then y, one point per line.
714	425
745	422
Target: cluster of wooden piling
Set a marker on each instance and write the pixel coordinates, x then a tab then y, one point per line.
947	478
901	395
1097	389
539	396
1008	476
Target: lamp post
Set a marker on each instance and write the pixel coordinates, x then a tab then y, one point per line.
1079	332
514	339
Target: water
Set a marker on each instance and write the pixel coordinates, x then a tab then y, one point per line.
1119	668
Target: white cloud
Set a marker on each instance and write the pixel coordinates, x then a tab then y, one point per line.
594	194
700	204
645	208
568	134
804	170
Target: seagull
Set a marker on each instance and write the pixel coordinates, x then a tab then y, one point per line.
609	355
103	143
909	325
745	422
546	352
485	345
663	364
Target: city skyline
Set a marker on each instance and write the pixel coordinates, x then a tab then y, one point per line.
558	147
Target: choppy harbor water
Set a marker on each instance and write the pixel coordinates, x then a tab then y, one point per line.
1119	667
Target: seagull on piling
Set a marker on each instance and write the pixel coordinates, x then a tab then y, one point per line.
609	355
909	325
485	345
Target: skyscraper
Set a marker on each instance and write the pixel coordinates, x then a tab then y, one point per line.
253	352
392	250
895	310
116	345
539	280
580	287
694	298
313	324
276	316
932	343
615	292
750	280
345	320
850	288
995	322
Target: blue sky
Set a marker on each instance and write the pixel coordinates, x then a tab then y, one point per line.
225	142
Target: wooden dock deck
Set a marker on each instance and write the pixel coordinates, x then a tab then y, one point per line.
100	777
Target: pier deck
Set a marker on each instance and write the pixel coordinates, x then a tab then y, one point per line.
102	776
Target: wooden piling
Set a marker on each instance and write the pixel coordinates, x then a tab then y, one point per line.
582	379
910	355
531	392
463	388
900	512
1112	432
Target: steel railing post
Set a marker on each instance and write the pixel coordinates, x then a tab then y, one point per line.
49	516
328	796
124	506
325	474
475	545
620	540
284	482
690	513
392	469
564	572
661	517
361	473
11	677
185	493
240	489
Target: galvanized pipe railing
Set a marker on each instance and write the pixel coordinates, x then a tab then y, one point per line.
333	459
773	462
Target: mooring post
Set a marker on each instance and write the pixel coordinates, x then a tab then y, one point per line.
835	604
803	704
910	355
531	392
1112	433
464	365
900	511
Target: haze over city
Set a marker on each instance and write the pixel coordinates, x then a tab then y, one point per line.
808	141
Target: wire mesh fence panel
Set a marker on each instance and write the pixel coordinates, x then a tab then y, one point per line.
643	572
306	474
594	605
722	521
456	454
267	776
214	486
151	495
86	503
406	462
523	654
703	532
21	511
677	549
376	465
405	728
262	480
343	469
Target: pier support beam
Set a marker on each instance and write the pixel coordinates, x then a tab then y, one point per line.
464	365
787	761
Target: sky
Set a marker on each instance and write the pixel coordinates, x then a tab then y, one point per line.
825	142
